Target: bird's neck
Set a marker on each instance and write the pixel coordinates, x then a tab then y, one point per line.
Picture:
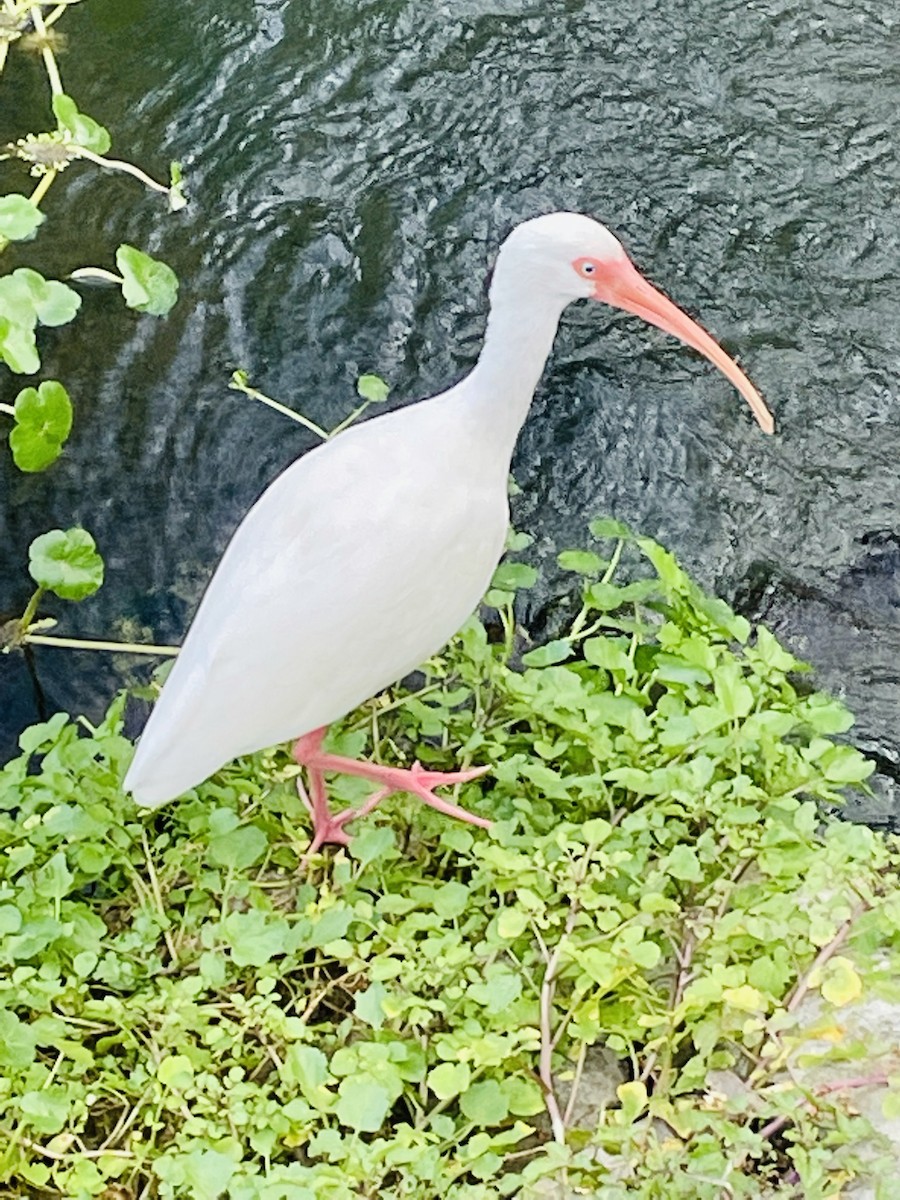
518	340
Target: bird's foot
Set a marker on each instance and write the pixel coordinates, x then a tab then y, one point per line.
415	780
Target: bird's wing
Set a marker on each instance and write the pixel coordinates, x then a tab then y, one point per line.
355	565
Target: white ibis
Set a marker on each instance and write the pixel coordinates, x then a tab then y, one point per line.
367	554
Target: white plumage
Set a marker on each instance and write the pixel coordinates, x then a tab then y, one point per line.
366	555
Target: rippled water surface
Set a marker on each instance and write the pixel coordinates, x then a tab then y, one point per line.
352	167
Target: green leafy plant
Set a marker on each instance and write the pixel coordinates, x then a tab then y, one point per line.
42	415
192	1006
43	421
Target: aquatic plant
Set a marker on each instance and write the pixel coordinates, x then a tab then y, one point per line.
191	1007
42	415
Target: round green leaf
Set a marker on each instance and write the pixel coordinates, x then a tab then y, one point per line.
240	848
485	1103
449	1079
53	303
66	562
372	388
19	218
148	285
43	422
362	1104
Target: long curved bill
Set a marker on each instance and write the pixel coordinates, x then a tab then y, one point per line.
622	285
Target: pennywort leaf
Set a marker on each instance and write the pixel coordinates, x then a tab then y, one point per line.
372	388
66	562
19	218
43	419
79	128
148	285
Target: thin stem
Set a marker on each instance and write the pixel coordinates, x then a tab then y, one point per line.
116	164
238	385
42	187
31	609
54	16
354	416
8	409
37	639
47	54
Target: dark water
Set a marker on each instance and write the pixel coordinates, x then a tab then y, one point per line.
352	167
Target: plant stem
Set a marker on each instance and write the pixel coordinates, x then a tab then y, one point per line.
116	164
40	639
354	416
54	16
255	394
8	409
31	609
42	187
47	54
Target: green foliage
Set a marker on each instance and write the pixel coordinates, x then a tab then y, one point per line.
43	419
79	129
189	1007
19	219
66	563
26	300
43	416
372	388
148	285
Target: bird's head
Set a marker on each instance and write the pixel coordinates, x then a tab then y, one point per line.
567	256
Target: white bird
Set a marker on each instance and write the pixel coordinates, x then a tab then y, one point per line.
367	554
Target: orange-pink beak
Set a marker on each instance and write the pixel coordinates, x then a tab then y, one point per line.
620	284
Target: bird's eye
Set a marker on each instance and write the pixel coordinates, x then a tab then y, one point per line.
586	267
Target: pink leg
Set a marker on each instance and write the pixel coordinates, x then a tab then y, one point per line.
418	782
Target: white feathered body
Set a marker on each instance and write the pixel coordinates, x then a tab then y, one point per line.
359	562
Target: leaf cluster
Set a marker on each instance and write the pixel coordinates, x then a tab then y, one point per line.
192	1007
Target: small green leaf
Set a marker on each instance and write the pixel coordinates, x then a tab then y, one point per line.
51	302
451	899
81	129
841	984
683	863
485	1103
607	527
66	562
19	218
362	1104
45	1110
372	388
368	1005
175	1071
585	562
177	198
43	421
556	651
18	347
371	843
511	923
633	1099
524	1096
240	848
449	1079
510	576
744	997
149	285
499	989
